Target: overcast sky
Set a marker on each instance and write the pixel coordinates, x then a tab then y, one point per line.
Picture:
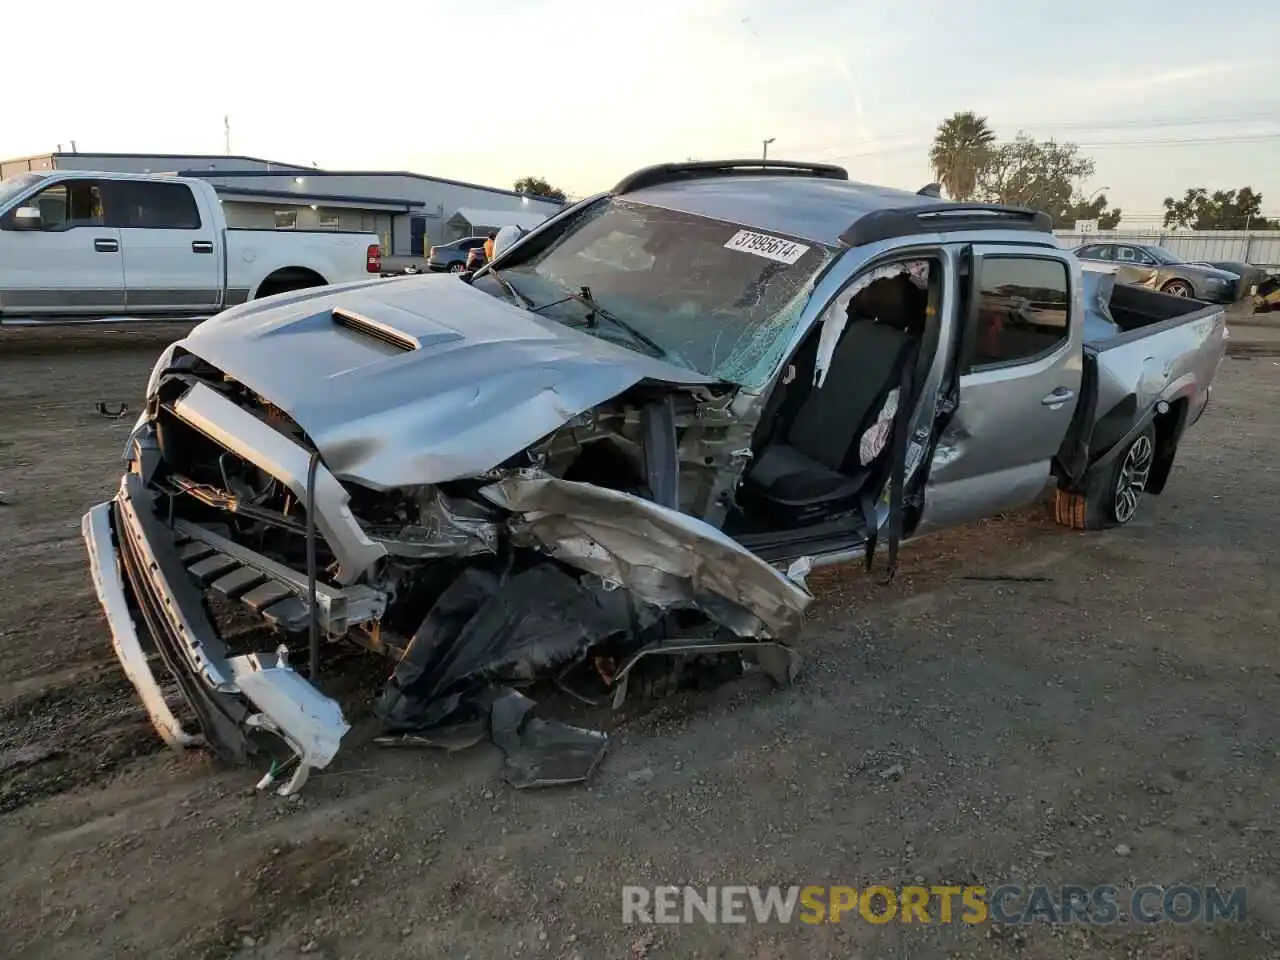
582	92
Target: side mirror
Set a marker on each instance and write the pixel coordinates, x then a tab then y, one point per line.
27	218
505	239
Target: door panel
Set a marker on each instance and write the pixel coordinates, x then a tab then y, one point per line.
1135	267
1020	380
72	265
172	260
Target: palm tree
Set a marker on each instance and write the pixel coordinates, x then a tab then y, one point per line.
960	150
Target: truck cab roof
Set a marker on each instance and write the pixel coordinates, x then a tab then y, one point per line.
815	202
34	175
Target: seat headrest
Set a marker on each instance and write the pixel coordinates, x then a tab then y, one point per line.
892	301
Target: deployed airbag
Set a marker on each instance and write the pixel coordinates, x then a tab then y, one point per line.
1099	325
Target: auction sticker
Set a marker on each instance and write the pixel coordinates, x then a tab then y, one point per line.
763	245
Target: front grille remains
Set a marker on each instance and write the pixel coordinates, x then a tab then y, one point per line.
226	576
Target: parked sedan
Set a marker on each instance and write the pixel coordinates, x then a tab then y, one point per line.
452	257
1148	265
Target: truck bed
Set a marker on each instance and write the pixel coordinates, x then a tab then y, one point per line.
1168	353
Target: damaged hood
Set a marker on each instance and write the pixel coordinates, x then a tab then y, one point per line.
420	380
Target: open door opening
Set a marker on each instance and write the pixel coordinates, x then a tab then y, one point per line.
836	425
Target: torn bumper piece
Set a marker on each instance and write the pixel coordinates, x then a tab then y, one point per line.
151	605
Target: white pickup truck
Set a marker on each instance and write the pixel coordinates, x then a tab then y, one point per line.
78	245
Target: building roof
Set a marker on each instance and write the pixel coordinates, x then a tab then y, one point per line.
311	172
281	170
176	156
478	219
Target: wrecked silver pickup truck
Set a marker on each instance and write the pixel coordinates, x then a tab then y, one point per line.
607	459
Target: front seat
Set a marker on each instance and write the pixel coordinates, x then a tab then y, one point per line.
813	473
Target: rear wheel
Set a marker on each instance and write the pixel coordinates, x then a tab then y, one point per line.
1111	497
1131	479
1178	288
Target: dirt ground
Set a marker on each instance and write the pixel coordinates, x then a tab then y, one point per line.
1114	721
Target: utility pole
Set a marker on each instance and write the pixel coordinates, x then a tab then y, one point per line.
226	132
766	147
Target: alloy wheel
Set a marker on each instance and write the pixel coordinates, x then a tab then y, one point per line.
1132	480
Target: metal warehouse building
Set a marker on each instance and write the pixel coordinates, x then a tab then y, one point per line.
409	211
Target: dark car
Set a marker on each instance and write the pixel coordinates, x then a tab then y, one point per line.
452	257
1154	267
1251	276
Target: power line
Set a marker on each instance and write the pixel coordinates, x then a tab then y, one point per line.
1160	219
912	139
1157	214
1094	145
1183	141
1154	122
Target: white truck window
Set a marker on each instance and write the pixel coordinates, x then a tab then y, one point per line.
151	205
67	204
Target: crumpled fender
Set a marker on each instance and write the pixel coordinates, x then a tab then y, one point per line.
663	557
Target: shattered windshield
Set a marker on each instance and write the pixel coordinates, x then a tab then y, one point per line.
715	297
12	187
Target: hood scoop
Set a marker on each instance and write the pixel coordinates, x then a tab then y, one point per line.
374	329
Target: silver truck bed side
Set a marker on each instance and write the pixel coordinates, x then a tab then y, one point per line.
1143	373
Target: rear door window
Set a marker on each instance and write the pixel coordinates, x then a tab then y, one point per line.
155	206
1127	254
1023	310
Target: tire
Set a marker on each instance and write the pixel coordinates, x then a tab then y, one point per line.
1112	496
1178	288
457	267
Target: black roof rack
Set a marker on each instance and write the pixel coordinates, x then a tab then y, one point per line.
942	218
699	169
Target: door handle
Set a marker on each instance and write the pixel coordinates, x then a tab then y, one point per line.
202	246
106	246
1059	396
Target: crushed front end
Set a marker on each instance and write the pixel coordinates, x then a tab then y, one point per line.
583	559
